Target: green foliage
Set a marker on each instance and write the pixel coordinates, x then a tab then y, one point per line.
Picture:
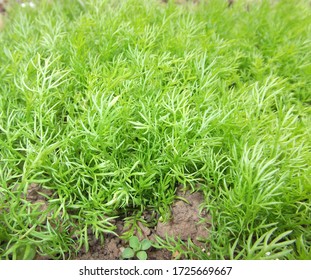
23	252
128	253
110	105
137	248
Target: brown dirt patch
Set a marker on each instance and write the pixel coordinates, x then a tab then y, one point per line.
187	222
36	194
112	250
113	246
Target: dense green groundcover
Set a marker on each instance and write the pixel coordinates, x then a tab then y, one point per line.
111	104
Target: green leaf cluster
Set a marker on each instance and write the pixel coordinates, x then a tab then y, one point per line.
136	248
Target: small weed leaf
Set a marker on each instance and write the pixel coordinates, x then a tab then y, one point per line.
142	255
128	253
134	243
145	244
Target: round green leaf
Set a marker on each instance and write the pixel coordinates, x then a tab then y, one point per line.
142	255
145	244
128	253
134	243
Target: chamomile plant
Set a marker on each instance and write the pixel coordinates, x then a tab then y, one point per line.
110	105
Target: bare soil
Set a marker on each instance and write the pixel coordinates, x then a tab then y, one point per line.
187	222
112	250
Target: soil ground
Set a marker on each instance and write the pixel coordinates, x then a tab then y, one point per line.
186	222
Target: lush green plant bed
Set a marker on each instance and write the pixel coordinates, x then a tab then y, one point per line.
106	106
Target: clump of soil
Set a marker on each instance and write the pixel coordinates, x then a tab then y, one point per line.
187	222
36	194
110	250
